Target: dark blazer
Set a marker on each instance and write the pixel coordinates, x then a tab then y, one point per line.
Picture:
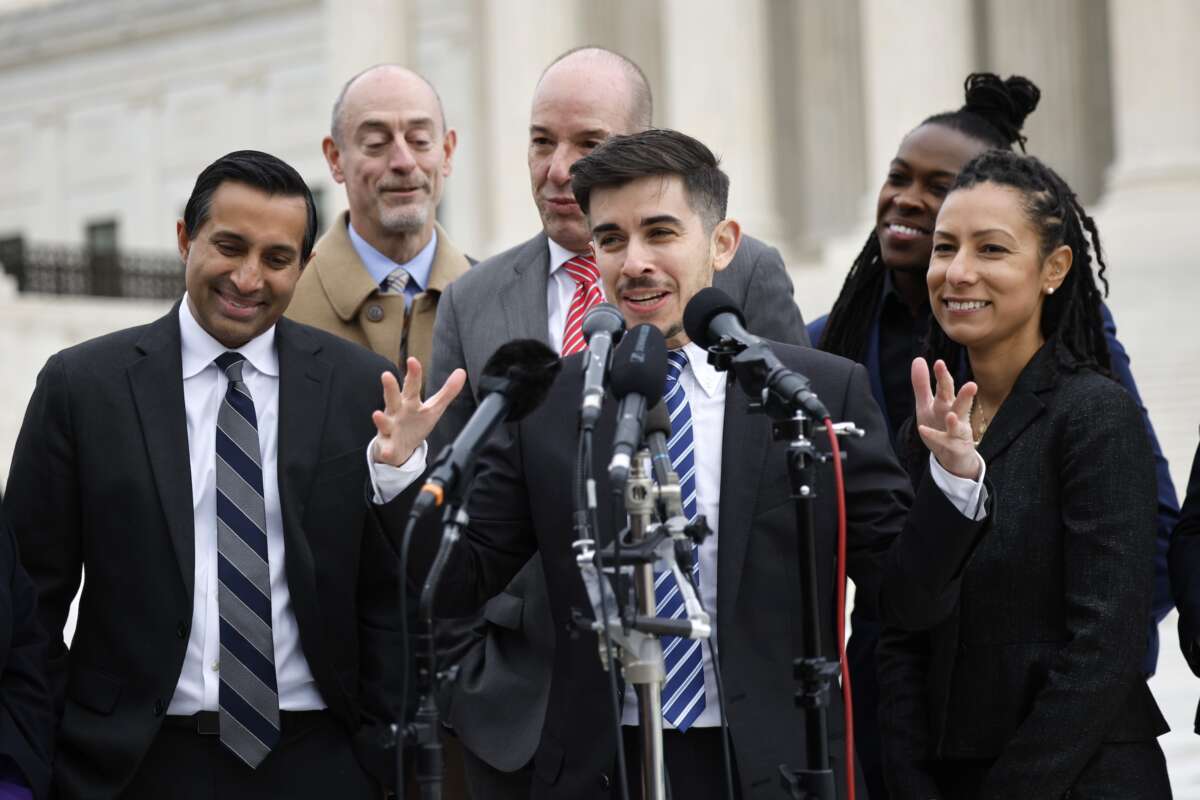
100	482
1185	573
26	713
1168	501
521	503
1039	665
510	655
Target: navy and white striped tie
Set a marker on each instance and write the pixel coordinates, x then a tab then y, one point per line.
249	695
683	659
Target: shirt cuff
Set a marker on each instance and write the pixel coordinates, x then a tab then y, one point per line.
387	482
968	496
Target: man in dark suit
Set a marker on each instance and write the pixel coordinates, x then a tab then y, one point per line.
537	290
237	636
1185	573
655	202
26	715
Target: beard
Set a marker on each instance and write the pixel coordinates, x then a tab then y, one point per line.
404	220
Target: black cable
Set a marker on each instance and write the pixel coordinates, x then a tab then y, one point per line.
405	540
582	475
726	756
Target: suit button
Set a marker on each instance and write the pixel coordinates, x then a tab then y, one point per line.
160	708
182	630
604	781
375	312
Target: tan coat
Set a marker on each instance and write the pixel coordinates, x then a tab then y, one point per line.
336	293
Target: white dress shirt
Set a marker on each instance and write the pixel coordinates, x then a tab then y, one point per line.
560	288
204	386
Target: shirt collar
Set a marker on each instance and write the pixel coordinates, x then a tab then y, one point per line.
559	255
380	266
710	379
200	349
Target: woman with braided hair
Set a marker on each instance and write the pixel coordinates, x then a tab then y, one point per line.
1032	687
882	315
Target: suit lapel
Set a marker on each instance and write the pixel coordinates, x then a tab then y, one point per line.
1022	406
156	381
304	381
524	297
744	445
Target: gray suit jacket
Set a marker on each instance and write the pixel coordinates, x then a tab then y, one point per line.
499	703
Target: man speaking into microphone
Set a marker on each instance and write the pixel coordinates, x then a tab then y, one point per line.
655	203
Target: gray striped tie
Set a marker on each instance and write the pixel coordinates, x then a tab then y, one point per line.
395	282
249	695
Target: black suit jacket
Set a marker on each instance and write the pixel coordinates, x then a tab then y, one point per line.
1185	573
521	503
26	713
100	482
507	654
1040	663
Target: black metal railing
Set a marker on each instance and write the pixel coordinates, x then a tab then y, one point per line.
60	269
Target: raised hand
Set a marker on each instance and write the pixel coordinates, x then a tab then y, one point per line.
944	421
405	421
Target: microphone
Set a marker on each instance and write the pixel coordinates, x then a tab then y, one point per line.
713	320
638	374
657	430
515	381
602	328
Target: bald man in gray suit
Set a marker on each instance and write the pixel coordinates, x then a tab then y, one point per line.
499	702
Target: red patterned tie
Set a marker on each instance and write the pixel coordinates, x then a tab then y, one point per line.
583	270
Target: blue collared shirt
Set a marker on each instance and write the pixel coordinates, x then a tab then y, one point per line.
380	266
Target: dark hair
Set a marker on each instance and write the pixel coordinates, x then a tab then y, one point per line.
993	113
622	159
641	99
1071	319
256	169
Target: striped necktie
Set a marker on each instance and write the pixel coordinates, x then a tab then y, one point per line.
249	696
395	282
683	659
583	270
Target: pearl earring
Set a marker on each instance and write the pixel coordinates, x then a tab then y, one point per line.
1049	290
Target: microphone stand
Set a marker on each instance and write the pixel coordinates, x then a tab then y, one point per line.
644	669
814	672
639	647
423	733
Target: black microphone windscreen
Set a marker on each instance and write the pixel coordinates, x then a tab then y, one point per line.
658	420
706	304
523	369
603	318
640	364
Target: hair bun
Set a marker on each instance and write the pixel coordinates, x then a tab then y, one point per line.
1003	103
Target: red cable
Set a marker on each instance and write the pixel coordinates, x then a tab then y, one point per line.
840	490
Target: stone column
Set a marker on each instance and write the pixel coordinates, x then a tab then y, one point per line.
1157	115
818	111
150	222
915	57
357	35
716	66
1063	48
518	39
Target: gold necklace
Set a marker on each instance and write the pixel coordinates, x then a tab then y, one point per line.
983	420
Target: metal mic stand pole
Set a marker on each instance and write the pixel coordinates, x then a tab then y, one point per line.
646	673
815	672
423	732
